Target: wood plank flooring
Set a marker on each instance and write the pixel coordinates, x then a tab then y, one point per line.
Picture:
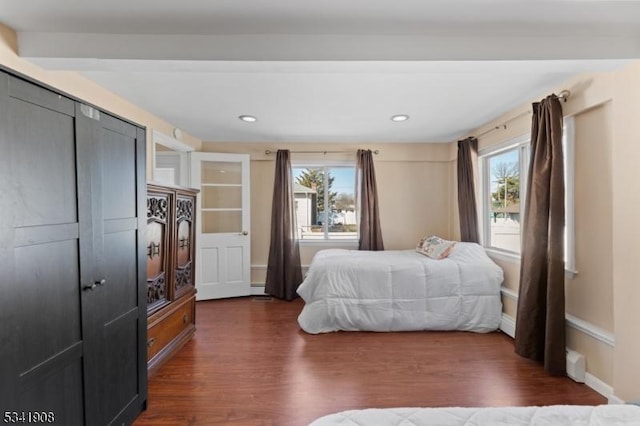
250	364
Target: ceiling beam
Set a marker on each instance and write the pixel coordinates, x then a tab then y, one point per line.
305	47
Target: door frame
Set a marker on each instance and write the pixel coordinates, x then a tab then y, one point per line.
177	148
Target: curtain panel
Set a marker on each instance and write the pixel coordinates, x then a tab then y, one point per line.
370	231
284	273
467	209
540	322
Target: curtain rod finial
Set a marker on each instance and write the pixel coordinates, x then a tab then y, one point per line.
564	95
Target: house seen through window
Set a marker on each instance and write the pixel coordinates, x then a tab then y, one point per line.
325	202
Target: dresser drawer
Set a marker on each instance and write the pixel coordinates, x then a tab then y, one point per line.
169	332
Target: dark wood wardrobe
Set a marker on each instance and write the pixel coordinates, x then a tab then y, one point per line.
73	314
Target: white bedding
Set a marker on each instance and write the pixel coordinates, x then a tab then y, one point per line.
554	415
401	291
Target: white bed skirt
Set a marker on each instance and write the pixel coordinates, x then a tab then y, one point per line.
554	415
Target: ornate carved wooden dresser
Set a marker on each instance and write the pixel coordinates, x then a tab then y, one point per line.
170	271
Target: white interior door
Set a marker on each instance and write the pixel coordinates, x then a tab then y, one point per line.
223	217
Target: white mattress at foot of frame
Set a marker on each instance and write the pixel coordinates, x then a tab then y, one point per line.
554	415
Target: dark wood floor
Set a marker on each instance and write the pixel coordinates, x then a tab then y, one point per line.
250	364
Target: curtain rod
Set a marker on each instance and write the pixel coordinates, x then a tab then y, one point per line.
563	96
269	152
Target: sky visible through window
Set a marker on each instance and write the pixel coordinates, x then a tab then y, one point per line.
344	178
507	157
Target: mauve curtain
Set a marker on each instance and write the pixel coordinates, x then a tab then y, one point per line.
284	273
540	324
370	232
467	154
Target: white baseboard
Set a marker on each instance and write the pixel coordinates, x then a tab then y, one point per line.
266	266
508	325
602	388
615	400
257	289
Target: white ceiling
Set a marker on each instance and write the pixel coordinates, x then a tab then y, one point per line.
331	70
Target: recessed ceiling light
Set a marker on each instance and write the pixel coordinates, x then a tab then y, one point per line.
400	117
248	118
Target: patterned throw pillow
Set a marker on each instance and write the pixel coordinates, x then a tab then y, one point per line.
435	247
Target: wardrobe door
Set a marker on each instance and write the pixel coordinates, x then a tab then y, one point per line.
184	243
159	205
41	335
114	304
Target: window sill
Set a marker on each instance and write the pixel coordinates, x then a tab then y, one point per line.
515	258
570	273
507	256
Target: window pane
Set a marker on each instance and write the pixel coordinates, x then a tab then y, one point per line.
321	213
341	218
214	222
504	202
225	197
221	172
308	184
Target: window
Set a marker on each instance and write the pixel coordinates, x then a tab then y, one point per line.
325	202
503	173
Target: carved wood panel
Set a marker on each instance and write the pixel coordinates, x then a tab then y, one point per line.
157	249
185	249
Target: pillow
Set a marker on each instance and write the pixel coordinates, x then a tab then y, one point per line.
435	247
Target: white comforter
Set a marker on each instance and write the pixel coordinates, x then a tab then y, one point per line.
554	415
401	291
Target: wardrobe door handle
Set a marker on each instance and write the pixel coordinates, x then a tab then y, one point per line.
185	318
94	285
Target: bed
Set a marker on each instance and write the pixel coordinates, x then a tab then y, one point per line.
401	290
553	415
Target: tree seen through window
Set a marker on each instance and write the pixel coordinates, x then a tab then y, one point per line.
325	202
